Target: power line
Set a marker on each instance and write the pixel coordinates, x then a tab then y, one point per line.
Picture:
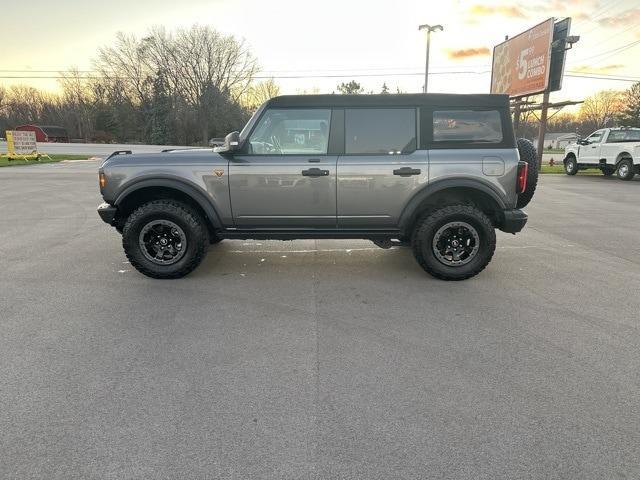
614	51
570	73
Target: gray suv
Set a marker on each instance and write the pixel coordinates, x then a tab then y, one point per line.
438	172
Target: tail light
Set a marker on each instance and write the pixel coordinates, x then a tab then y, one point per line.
521	183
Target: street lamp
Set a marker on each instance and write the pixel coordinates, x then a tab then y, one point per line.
429	29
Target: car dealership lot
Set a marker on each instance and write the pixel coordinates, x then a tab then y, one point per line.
319	359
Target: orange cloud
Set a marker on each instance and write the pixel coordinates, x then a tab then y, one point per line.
502	10
468	52
592	69
628	17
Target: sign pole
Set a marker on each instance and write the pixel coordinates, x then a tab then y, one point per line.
543	126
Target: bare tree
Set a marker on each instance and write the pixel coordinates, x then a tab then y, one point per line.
601	109
258	93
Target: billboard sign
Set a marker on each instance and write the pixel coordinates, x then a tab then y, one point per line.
521	64
21	142
558	53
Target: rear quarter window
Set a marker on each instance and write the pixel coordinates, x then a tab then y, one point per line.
467	127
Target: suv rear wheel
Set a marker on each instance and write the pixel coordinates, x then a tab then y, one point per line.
454	242
165	239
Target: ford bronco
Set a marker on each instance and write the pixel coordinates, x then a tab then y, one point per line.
438	172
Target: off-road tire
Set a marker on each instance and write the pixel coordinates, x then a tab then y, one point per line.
428	225
629	170
188	219
571	165
528	154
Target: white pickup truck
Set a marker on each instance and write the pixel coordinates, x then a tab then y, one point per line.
611	150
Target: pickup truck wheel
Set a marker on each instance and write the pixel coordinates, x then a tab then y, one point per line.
625	169
165	239
528	154
571	166
454	242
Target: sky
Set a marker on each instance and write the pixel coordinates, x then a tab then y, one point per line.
313	45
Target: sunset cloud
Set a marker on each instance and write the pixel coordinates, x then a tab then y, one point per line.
509	11
591	69
468	53
628	17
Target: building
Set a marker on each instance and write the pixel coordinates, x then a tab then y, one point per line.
46	133
557	141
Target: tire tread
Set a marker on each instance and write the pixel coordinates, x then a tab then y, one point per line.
428	221
188	215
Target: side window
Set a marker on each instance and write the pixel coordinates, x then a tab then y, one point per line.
615	136
467	126
380	131
284	131
618	136
595	137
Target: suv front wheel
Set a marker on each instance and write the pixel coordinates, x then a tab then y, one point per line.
165	239
454	242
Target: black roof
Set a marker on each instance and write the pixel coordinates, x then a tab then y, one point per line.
392	100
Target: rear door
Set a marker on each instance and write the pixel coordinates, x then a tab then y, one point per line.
286	179
380	168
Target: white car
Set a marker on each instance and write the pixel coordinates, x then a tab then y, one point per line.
611	150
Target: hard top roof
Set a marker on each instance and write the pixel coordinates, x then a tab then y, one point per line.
392	100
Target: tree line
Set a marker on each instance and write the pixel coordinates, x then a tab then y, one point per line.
606	108
180	87
186	86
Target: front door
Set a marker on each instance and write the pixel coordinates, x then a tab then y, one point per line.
285	179
590	153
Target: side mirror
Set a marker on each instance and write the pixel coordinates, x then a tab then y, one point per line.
231	143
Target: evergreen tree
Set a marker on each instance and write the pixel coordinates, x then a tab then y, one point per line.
631	112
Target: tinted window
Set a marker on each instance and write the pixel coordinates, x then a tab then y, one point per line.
464	126
617	136
382	131
291	132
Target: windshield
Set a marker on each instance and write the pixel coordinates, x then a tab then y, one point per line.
247	128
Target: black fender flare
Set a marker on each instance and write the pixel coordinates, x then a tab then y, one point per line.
167	181
410	210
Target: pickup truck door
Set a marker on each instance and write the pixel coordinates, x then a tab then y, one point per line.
590	153
380	169
285	179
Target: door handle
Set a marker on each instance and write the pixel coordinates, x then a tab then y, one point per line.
407	171
315	172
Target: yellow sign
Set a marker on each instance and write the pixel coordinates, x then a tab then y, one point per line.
22	144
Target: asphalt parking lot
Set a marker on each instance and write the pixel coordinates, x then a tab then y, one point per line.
319	359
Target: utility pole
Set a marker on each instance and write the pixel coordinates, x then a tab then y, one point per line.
429	29
543	126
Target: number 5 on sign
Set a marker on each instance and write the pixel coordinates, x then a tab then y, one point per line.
522	64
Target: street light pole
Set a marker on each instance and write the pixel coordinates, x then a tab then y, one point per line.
429	29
